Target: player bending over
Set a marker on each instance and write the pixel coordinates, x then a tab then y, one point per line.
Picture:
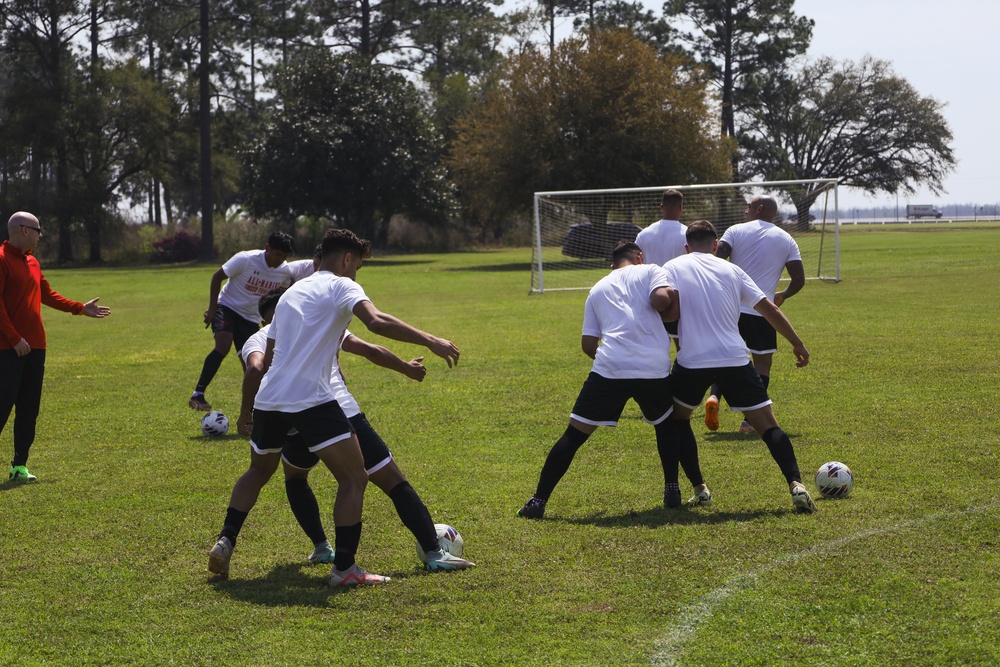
379	463
623	333
710	291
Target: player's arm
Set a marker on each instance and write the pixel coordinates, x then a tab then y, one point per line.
797	273
386	325
777	319
214	287
251	383
724	250
386	358
664	301
589	345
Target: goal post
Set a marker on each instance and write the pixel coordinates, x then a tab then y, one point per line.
575	230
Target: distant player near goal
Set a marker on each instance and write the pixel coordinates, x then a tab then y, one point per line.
663	240
711	291
764	251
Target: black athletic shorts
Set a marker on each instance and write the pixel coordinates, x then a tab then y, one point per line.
602	400
740	385
319	426
228	320
758	334
374	450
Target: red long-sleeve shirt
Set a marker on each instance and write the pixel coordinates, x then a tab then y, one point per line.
24	289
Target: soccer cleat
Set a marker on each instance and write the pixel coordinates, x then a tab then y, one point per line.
442	561
218	557
21	474
801	499
323	553
703	497
672	498
745	427
355	576
198	402
533	509
712	413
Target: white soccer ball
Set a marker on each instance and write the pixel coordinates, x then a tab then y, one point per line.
834	480
448	538
214	424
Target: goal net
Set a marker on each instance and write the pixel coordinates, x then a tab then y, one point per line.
576	230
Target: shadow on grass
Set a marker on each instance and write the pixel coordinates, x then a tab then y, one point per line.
8	485
736	436
292	585
660	516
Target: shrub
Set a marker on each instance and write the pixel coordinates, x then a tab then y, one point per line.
181	247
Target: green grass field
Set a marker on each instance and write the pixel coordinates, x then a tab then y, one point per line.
103	561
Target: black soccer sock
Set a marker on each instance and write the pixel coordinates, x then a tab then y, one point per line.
234	524
302	500
667	447
687	451
414	515
208	370
780	446
558	461
714	391
347	539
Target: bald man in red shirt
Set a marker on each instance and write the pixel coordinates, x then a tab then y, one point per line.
23	290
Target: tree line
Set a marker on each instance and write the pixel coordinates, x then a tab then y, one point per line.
450	112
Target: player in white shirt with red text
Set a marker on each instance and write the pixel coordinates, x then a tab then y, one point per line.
232	308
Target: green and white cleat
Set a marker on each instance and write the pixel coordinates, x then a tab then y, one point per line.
801	499
21	474
702	497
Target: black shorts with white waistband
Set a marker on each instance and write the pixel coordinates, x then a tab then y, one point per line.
740	385
602	399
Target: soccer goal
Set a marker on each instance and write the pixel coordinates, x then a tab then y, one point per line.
575	230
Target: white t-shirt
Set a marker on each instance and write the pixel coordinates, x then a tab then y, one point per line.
309	324
258	343
634	343
301	268
662	241
762	250
711	292
249	279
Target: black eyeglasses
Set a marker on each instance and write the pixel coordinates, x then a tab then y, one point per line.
37	229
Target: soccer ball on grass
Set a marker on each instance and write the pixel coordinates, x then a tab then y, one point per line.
214	424
834	480
448	538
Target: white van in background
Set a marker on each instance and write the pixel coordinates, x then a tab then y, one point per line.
917	211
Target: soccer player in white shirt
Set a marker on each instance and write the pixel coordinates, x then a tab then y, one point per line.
232	308
302	345
711	292
764	251
379	462
623	333
663	240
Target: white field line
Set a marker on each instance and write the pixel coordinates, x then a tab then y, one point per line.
670	646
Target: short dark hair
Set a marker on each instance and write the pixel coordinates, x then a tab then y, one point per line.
269	301
625	250
338	240
318	251
281	241
700	231
671	196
